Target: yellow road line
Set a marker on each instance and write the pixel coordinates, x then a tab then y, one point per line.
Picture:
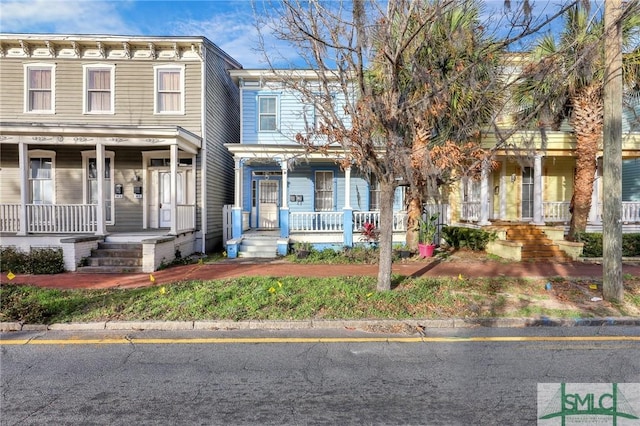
257	340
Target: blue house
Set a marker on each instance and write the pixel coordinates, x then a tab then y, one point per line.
285	194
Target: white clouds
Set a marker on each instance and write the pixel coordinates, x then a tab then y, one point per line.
64	17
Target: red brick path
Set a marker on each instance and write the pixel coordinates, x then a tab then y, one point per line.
231	268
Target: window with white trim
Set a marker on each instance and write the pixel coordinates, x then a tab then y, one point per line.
99	81
90	172
169	89
374	195
267	113
39	88
324	191
41	173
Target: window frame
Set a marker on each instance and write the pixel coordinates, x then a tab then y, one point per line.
156	91
28	108
374	193
87	68
40	153
316	191
86	156
260	114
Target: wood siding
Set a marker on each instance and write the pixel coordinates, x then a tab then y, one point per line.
134	94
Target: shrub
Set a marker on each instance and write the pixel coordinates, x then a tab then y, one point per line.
474	239
593	244
47	260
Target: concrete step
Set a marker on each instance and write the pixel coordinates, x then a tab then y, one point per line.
109	269
120	246
114	261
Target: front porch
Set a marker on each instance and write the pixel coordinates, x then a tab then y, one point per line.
158	247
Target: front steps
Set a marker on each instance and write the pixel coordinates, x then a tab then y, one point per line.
525	242
114	258
258	246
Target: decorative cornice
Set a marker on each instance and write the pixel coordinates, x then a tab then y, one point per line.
25	47
127	50
101	49
152	50
51	47
76	48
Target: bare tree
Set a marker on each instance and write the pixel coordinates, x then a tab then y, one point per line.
417	81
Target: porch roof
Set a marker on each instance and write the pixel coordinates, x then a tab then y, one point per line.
283	152
107	135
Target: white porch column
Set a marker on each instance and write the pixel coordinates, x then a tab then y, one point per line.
347	188
484	194
24	186
174	188
101	228
238	169
285	191
594	217
503	190
537	190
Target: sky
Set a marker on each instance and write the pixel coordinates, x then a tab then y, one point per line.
229	24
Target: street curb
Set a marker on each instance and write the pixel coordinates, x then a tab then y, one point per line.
366	325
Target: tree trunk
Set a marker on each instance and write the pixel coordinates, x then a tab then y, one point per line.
385	243
587	121
414	213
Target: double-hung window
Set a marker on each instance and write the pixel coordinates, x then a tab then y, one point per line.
41	168
267	113
169	88
99	89
324	191
91	178
39	88
374	196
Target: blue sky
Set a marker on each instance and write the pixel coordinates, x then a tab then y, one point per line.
229	24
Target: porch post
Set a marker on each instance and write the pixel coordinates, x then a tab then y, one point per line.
236	210
101	228
537	190
347	219
503	190
484	194
173	182
24	187
594	217
284	210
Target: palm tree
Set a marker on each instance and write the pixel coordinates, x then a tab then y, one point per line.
565	81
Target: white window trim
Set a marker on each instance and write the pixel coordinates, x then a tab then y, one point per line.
158	68
85	87
277	113
333	189
85	179
40	65
41	153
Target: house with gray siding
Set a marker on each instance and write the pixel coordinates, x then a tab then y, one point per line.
115	140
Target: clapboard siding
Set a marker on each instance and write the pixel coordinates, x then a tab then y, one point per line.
9	174
134	94
631	180
222	117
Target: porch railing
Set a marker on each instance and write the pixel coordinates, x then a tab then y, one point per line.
360	218
631	211
186	217
556	211
470	210
316	221
61	218
9	217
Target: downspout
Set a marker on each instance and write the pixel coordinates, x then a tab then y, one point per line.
203	150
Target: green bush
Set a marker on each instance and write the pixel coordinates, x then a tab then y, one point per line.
474	239
47	260
593	244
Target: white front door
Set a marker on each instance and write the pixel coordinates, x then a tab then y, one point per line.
164	197
268	204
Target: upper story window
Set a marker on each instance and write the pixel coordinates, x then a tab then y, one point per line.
169	89
39	88
41	170
99	81
267	113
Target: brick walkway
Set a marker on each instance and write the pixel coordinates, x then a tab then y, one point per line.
231	268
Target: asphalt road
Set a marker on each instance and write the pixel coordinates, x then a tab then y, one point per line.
472	376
